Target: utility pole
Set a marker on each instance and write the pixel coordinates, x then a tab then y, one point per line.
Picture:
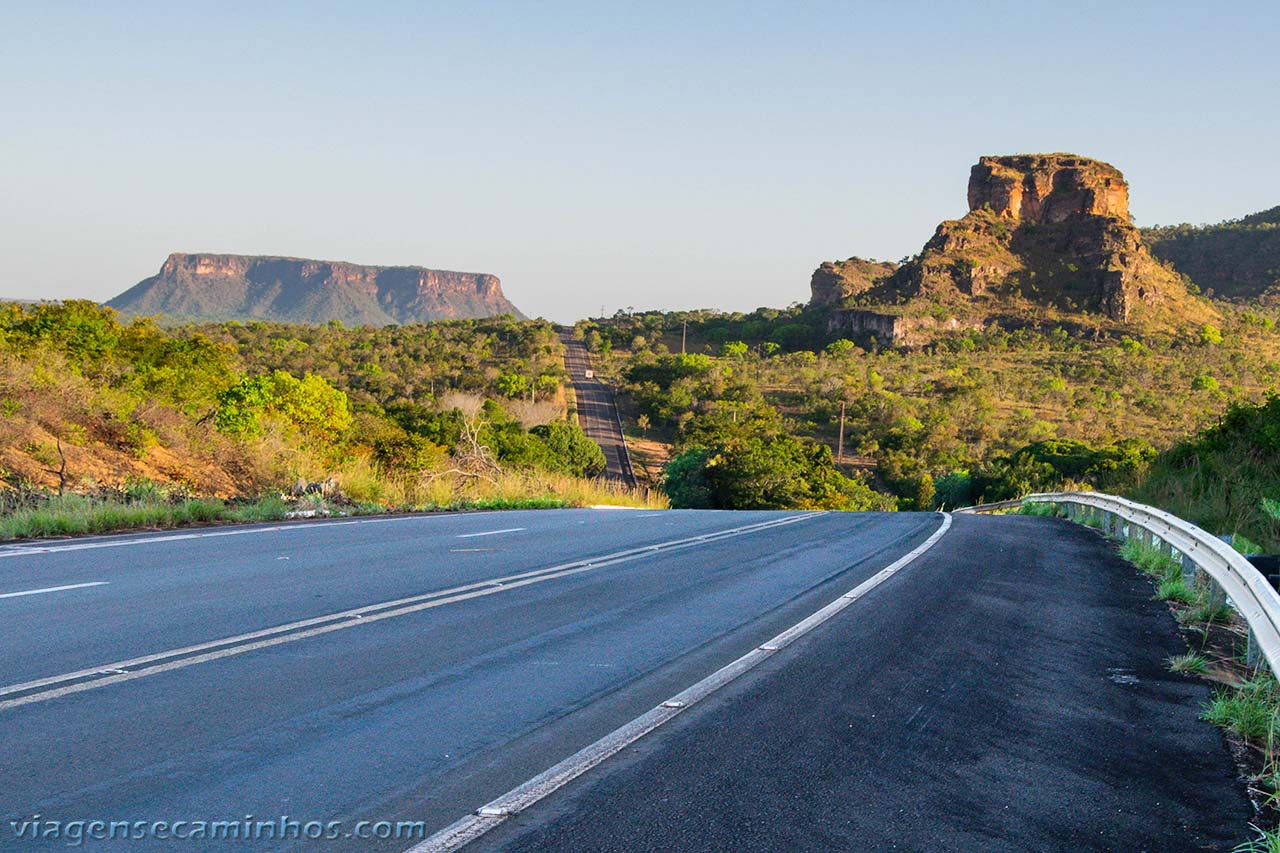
684	331
840	451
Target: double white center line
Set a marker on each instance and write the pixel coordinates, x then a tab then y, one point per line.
127	670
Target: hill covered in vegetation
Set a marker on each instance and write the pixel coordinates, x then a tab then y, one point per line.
1237	260
1226	478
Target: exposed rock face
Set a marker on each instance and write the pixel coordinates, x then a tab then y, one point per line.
1048	187
908	331
1050	230
835	281
296	290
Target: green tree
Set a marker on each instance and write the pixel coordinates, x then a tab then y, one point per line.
513	385
319	412
569	450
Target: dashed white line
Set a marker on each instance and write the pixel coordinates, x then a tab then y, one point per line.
51	589
490	533
141	667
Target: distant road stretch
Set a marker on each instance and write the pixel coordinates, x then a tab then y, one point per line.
379	679
597	411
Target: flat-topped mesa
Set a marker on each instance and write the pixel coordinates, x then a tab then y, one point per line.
206	286
1048	187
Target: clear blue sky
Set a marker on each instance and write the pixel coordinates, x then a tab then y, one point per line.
598	154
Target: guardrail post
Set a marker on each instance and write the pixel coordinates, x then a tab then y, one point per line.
1217	595
1188	569
1253	652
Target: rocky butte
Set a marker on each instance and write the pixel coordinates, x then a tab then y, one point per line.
297	290
1047	240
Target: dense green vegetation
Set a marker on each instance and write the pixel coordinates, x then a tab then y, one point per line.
748	417
451	414
1238	259
1226	478
984	414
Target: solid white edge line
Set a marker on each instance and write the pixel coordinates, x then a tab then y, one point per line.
19	548
467	829
52	589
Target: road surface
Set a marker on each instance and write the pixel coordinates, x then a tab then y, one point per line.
1004	690
597	411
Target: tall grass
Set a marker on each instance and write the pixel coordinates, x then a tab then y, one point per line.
364	490
362	481
72	515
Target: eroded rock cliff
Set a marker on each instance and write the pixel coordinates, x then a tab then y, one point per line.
835	281
298	290
1046	230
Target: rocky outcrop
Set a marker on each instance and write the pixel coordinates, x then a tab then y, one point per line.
1042	229
891	328
835	281
1048	187
297	290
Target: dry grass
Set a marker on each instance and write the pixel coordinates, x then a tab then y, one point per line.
362	482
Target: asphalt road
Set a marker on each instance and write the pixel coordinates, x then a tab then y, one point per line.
597	411
383	669
1005	690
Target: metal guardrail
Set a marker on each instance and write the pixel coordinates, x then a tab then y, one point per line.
1249	592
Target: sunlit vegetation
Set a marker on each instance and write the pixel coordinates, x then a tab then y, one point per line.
447	415
983	414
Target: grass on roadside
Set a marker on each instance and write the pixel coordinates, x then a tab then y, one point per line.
1039	510
1191	663
1249	711
74	515
147	505
1266	842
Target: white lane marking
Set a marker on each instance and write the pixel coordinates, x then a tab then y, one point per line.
19	550
469	828
489	533
25	550
52	589
315	626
